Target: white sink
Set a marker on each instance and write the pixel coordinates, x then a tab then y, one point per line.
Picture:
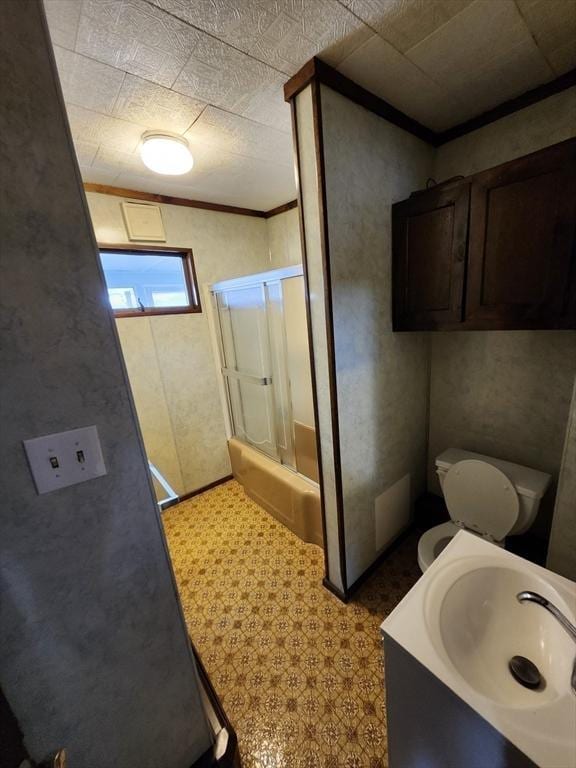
479	625
462	620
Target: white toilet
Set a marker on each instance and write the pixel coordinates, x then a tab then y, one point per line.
485	496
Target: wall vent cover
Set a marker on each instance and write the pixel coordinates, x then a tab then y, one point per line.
143	222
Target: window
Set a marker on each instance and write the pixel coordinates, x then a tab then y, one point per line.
150	281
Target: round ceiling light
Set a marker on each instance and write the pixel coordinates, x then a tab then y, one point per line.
166	153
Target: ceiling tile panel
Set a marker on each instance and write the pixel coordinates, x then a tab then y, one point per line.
525	68
241	136
563	59
112	160
251	184
405	86
88	83
281	33
267	106
403	23
95	128
214	70
63	17
154	106
137	37
223	76
97	176
207	188
482	33
85	152
336	52
264	186
553	24
208	159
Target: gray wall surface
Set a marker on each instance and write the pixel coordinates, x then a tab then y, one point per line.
562	549
504	393
95	655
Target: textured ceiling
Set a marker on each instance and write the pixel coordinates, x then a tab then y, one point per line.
213	71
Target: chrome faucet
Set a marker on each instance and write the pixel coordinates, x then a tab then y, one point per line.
534	597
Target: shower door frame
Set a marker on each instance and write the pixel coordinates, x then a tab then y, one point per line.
285	456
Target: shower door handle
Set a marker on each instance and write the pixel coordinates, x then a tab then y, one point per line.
262	381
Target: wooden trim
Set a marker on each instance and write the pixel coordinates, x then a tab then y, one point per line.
305	75
197	492
231	755
327	584
152	197
105	189
309	328
508	107
316	70
329	317
187	257
281	209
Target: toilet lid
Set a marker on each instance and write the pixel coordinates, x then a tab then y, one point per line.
481	498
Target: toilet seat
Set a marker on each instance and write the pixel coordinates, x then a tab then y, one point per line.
480	499
433	542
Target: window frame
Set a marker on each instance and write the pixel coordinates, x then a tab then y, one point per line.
190	278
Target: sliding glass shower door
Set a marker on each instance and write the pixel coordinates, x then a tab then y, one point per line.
253	352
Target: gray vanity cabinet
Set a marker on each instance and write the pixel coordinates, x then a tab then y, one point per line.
429	726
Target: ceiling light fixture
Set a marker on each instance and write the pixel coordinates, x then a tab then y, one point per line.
166	153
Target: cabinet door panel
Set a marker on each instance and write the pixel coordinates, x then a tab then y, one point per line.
429	248
521	249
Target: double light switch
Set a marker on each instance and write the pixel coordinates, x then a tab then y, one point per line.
65	458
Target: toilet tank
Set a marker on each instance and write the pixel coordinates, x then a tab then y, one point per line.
530	484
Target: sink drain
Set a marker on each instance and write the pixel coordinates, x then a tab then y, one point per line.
525	672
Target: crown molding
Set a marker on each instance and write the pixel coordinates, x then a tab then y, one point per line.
151	197
281	209
316	70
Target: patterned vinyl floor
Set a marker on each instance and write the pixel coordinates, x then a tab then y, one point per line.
299	673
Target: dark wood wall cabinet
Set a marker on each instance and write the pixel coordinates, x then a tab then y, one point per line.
496	250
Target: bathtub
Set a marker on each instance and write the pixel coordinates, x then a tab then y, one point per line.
288	496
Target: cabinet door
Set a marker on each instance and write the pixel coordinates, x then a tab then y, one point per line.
521	253
429	251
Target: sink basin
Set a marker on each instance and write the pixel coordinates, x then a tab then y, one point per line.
462	621
481	626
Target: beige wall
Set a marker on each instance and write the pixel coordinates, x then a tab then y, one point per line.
382	377
95	654
308	179
170	359
284	239
504	393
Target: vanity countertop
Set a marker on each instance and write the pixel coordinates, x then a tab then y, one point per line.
462	621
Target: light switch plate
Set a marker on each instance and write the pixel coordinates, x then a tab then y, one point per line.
65	458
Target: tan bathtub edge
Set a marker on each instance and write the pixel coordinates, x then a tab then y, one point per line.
291	499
